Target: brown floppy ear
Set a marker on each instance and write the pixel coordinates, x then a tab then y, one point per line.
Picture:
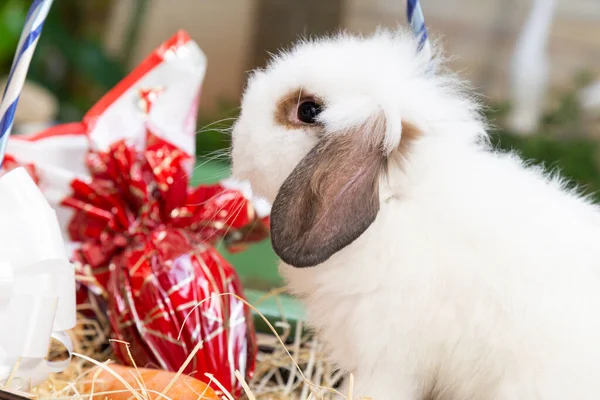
330	198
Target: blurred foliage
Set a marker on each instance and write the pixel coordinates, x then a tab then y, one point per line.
561	144
214	132
70	59
576	159
12	15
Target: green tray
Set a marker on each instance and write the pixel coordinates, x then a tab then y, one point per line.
256	266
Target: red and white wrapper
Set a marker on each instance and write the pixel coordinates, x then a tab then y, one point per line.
143	239
169	80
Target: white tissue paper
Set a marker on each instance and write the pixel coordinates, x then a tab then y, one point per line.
37	283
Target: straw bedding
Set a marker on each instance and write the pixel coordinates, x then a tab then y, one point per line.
289	366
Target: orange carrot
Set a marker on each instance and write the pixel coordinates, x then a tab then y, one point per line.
185	388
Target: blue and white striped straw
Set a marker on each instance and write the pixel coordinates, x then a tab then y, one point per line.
18	72
416	20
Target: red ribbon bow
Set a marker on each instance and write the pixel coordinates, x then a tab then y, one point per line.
147	245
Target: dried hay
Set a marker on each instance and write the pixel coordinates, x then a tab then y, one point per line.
288	367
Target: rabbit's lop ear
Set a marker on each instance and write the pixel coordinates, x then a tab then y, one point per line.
331	197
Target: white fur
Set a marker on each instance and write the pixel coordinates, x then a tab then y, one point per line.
480	277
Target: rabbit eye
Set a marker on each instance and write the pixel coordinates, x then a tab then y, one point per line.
308	111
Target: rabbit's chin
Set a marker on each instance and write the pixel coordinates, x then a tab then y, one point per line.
261	187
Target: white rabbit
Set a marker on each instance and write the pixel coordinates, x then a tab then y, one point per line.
432	266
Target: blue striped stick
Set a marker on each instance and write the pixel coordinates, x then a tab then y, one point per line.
415	18
29	38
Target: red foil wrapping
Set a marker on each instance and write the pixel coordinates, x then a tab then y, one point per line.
147	244
11	163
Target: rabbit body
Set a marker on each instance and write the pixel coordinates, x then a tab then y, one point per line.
481	281
478	277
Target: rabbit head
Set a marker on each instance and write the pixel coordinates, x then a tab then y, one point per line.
327	123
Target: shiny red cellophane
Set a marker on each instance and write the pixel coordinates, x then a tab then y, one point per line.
147	241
